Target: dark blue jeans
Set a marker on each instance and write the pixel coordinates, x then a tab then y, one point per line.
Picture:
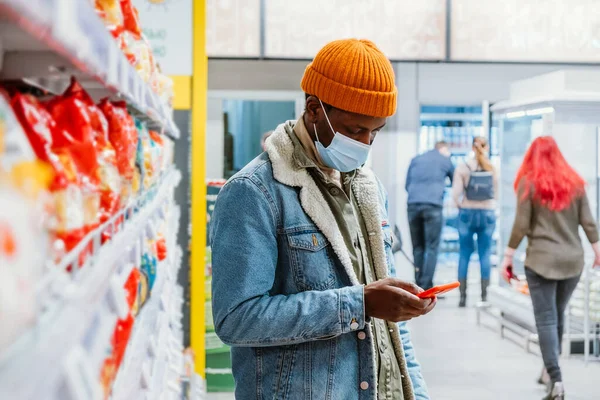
426	222
470	222
550	299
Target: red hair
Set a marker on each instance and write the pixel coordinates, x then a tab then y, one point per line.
555	183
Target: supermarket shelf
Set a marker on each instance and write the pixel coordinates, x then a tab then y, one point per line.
64	351
514	306
155	338
451	117
45	42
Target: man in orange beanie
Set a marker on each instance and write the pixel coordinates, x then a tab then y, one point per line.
303	286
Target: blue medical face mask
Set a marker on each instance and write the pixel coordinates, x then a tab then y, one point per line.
343	154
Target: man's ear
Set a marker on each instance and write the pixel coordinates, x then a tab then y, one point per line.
313	108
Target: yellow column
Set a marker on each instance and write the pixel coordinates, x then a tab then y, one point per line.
198	185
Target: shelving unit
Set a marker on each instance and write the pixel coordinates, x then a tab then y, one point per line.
80	298
46	42
552	104
456	125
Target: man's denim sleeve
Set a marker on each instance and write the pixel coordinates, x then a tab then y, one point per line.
244	261
414	368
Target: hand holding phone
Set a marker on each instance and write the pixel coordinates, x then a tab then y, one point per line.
507	269
395	300
437	290
509	274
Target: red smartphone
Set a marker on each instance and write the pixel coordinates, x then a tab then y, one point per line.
434	291
510	274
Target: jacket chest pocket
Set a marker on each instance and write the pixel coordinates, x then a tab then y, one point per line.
311	259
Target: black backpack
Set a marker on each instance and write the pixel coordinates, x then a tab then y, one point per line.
480	186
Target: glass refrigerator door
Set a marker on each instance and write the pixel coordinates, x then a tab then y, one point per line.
457	126
515	136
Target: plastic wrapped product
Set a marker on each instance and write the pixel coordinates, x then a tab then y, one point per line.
131	19
146	156
149	264
165	89
123	136
110	13
76	113
158	153
118	344
143	290
67	214
161	248
131	290
24	183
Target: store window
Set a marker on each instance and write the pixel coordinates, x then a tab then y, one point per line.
233	28
517	132
403	29
245	123
526	31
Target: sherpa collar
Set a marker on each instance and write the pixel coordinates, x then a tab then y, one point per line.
287	170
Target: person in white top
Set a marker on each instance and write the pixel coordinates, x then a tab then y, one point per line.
474	190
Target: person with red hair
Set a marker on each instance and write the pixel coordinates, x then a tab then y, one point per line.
551	205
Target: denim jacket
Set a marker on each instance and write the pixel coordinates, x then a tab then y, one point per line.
285	295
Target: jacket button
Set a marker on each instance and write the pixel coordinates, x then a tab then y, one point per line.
334	191
362	335
364	385
354	325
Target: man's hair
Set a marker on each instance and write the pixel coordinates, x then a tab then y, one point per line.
441	144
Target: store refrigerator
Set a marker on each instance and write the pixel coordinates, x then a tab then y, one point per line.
565	105
457	126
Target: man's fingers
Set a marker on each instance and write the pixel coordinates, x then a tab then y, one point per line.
407	299
408	286
431	306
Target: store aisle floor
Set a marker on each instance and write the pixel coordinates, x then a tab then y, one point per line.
463	361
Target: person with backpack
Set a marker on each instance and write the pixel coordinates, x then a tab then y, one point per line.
551	206
425	185
474	190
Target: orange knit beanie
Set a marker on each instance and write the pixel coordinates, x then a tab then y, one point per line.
352	75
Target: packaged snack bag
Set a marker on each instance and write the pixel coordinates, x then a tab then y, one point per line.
76	113
149	263
131	19
108	373
123	136
118	344
121	334
67	215
161	248
110	13
146	156
165	88
121	337
24	183
142	53
131	290
143	290
157	148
